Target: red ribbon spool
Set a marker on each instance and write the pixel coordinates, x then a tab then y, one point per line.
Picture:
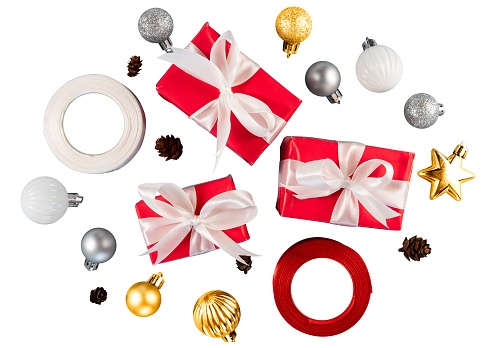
313	248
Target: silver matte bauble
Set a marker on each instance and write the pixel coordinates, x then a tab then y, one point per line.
156	25
323	79
422	110
98	245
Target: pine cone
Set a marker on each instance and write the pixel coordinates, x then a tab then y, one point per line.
241	266
134	66
415	248
98	295
169	147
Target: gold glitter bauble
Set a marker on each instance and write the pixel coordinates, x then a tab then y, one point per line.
446	173
293	26
217	314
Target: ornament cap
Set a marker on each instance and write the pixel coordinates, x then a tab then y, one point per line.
167	45
290	48
230	337
90	265
157	280
335	98
461	150
74	199
441	109
368	43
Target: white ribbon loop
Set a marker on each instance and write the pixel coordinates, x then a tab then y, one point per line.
227	210
225	72
322	178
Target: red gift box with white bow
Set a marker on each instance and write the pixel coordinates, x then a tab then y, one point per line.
178	223
227	94
345	183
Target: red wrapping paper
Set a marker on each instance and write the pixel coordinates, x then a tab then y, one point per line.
320	209
190	94
205	192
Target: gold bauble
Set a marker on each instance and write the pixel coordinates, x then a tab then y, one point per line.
446	174
143	298
293	26
217	314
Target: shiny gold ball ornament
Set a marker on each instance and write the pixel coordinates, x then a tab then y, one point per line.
446	174
293	26
217	314
143	298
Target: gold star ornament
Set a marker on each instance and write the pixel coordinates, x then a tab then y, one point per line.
446	174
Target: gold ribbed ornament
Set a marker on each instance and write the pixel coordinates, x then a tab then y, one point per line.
217	314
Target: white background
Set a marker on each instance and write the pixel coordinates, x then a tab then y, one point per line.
447	299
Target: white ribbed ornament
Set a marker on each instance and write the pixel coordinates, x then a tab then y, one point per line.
45	200
378	68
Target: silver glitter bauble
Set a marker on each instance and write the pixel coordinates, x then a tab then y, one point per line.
155	25
422	110
98	245
323	79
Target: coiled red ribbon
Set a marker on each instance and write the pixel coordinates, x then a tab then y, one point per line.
313	248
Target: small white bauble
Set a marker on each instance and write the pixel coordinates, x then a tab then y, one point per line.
378	68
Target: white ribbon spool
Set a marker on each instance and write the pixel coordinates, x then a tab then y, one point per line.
133	132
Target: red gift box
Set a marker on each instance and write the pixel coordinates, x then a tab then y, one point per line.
204	192
190	94
343	182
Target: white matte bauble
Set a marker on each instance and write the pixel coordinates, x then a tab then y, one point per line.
44	200
378	68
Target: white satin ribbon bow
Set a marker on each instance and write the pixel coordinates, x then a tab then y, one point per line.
225	72
322	178
227	210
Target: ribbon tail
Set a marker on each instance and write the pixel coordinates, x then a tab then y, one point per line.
222	129
169	242
346	211
225	243
375	207
200	245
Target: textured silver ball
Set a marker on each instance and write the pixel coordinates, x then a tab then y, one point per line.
323	78
422	110
98	245
155	25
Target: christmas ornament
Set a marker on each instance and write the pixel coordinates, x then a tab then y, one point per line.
98	295
378	68
156	25
98	245
310	249
422	110
217	314
44	200
134	66
133	126
143	298
169	147
244	267
293	25
446	173
415	248
323	79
